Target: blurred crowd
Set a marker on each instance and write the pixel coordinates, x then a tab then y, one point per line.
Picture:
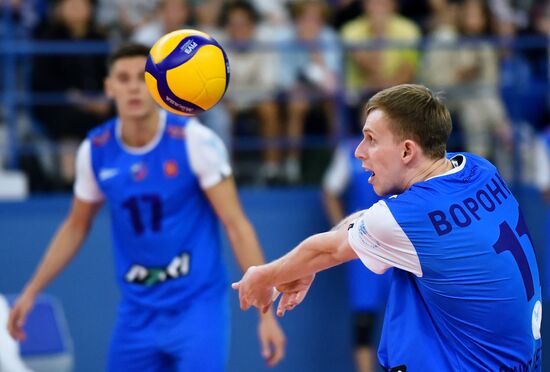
300	72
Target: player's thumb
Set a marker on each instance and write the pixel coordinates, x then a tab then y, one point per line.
236	285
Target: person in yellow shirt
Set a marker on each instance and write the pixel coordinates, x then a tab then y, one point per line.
383	48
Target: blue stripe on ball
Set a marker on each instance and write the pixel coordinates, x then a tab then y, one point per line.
189	46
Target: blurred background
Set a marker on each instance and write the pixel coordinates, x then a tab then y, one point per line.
301	72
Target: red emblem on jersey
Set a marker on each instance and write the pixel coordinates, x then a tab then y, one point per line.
170	168
176	132
102	138
139	171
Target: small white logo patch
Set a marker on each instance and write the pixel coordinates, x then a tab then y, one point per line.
106	173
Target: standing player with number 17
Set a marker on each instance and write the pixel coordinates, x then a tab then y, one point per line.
465	292
167	181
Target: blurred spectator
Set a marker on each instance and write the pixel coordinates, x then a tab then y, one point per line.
516	11
122	17
482	114
171	15
309	74
437	62
274	14
391	56
77	77
466	65
254	75
207	16
25	13
522	94
207	19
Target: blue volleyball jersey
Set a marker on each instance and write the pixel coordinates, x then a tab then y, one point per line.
165	233
466	292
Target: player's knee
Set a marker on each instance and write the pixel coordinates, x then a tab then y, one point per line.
364	323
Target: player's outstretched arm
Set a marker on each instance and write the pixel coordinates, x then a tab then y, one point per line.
60	252
293	273
246	248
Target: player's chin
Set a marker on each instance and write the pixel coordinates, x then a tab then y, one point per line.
137	111
378	189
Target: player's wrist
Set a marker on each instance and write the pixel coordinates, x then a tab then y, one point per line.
266	315
30	292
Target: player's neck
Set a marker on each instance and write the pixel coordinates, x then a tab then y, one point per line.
429	169
138	132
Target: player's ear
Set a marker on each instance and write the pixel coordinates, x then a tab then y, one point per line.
107	87
408	151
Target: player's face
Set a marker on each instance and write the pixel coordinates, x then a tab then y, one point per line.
381	153
126	86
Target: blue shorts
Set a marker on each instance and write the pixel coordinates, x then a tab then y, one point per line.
367	291
192	338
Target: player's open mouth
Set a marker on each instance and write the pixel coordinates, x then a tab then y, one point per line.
371	178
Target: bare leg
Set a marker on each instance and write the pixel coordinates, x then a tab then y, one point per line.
270	131
364	359
297	110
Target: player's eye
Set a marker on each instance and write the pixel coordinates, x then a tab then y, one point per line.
123	78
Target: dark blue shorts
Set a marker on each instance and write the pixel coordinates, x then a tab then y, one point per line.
193	338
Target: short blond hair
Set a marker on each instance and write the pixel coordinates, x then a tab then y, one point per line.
415	113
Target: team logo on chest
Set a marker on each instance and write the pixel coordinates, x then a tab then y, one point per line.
170	168
139	171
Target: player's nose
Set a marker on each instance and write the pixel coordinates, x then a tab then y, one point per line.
360	152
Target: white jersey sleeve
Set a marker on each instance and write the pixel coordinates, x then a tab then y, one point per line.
337	176
380	242
85	185
207	154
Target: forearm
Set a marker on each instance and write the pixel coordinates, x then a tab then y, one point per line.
60	252
314	254
245	245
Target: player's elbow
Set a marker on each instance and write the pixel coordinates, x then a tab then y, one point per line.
342	251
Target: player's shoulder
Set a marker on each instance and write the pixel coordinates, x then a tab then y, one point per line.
103	133
379	222
196	131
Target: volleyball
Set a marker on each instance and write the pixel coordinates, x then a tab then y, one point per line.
187	72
